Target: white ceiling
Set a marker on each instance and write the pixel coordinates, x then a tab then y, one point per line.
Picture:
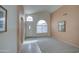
30	9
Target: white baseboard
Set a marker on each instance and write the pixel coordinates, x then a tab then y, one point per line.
68	42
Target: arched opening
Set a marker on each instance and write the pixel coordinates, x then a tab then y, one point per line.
29	18
42	26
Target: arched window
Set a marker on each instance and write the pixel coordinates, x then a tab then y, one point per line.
42	26
29	18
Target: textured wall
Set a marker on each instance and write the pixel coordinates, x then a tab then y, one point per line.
71	18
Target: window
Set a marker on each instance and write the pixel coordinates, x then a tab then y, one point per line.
41	26
29	18
29	27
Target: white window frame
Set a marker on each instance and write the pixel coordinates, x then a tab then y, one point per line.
41	27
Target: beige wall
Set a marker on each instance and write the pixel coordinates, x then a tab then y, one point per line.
71	35
36	17
8	40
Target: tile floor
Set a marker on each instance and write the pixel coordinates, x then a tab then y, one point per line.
47	45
